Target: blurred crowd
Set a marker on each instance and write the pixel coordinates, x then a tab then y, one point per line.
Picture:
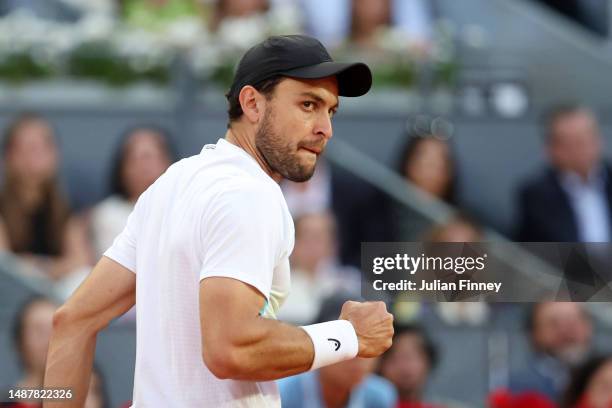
568	201
334	212
335	22
565	370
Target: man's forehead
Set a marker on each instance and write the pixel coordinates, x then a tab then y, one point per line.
325	88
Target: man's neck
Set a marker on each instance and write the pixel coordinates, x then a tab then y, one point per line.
238	137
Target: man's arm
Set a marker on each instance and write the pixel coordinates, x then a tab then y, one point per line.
108	292
239	344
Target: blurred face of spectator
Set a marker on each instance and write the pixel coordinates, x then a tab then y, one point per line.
314	241
429	167
242	8
575	143
346	375
36	333
368	15
599	388
32	154
145	159
563	330
407	366
457	231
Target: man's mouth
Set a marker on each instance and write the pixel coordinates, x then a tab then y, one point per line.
314	150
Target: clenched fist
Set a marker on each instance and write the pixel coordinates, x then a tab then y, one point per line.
373	325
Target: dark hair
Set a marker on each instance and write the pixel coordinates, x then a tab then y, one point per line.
116	181
407	153
581	377
530	316
429	349
19	322
265	87
556	112
11	130
53	207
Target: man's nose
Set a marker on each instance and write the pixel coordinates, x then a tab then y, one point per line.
323	127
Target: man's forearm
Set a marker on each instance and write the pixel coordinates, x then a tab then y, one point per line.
264	350
69	363
108	292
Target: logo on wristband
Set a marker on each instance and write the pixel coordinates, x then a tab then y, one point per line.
336	344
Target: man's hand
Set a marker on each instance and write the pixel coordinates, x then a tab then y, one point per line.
373	325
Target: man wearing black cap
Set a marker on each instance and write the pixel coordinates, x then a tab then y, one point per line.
205	253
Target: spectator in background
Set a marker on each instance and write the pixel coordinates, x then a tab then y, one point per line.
241	23
143	154
570	201
350	383
315	271
31	334
367	18
35	220
560	334
334	22
181	23
408	364
459	228
591	385
236	9
426	162
362	212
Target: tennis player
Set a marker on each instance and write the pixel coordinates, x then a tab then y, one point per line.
205	253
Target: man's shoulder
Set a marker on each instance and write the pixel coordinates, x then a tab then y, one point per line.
247	186
218	176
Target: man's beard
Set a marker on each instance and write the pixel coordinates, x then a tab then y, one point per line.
279	154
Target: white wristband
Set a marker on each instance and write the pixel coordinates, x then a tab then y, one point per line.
333	341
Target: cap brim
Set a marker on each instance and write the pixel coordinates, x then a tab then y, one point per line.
354	79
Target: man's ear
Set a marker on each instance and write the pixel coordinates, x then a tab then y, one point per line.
251	102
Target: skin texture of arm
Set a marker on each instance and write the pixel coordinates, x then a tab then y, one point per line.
239	344
108	292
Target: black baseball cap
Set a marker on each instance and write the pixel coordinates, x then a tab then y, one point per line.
298	56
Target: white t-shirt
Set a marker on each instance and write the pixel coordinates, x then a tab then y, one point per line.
214	214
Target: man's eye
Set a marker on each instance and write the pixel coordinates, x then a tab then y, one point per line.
308	105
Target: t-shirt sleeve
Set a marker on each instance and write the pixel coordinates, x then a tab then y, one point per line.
123	249
241	236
